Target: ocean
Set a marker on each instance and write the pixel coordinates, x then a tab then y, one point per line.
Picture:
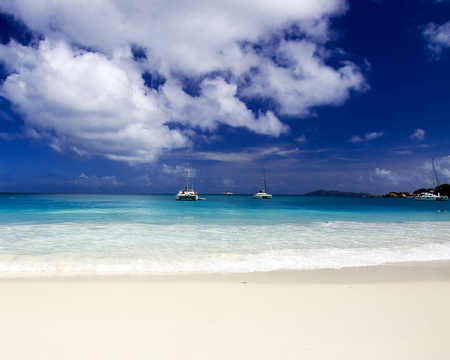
72	234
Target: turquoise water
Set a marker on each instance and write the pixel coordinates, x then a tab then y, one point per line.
49	234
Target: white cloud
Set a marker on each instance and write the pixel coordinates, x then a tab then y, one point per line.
389	176
95	103
251	154
444	175
437	37
228	182
419	176
143	180
403	152
418	135
302	139
171	170
304	80
94	182
87	103
179	170
7	136
356	139
425	174
219	104
367	137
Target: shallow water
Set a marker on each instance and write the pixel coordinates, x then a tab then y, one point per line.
154	234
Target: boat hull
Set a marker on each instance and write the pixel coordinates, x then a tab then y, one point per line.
262	196
426	197
186	195
185	198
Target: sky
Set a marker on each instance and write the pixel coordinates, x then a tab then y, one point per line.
99	96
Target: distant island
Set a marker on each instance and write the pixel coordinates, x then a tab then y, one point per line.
443	190
335	193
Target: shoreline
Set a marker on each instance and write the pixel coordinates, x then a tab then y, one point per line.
434	270
393	311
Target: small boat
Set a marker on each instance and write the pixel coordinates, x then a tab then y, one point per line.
186	193
435	183
262	194
427	196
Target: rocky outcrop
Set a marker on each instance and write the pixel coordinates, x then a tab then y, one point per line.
420	191
443	190
397	194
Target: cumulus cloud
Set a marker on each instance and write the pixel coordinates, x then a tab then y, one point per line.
367	137
437	37
418	135
299	79
125	80
389	176
85	102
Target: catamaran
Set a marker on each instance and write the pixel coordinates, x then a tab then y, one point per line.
186	193
426	196
262	194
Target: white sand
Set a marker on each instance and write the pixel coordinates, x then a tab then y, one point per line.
391	312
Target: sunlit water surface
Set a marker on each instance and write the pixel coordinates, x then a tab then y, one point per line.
43	234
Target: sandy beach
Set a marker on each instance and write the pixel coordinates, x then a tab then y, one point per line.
399	311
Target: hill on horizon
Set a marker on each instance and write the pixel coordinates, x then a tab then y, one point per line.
335	193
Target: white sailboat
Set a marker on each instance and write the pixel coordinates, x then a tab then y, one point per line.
438	183
426	196
262	194
186	193
435	183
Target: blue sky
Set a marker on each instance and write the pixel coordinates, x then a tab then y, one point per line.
330	94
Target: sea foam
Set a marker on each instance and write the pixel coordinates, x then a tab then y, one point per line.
124	248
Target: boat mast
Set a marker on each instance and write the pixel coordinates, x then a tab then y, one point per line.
435	178
264	179
187	162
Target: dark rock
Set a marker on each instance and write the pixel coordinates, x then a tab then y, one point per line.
397	194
